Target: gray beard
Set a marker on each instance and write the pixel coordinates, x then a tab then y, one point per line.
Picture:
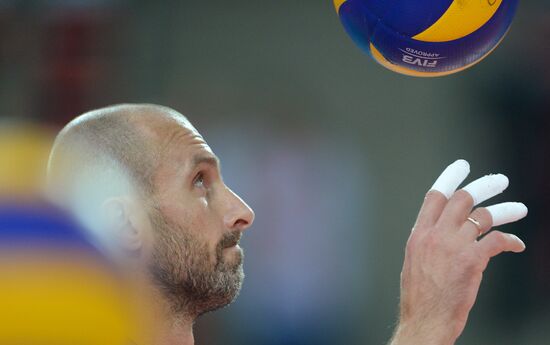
182	269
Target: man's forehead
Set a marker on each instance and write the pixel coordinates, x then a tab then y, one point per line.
183	142
177	136
180	120
174	137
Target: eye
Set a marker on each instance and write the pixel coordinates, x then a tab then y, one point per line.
198	181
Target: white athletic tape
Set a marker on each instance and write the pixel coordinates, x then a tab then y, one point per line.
452	177
507	212
486	187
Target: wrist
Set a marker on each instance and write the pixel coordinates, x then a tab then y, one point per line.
422	333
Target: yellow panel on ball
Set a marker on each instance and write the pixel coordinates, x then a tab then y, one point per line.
461	19
338	3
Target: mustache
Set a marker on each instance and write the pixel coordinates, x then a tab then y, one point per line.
230	239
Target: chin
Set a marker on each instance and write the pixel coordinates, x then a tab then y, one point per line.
228	294
232	257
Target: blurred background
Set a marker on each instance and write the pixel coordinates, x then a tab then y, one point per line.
333	152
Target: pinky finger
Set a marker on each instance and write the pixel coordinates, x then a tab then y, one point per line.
497	242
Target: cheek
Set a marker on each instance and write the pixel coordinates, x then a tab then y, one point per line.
195	217
204	223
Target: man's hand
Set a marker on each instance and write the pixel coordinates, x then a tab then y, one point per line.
445	259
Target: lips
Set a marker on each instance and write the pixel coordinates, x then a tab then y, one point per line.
233	244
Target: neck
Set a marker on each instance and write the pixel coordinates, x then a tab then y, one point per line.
171	328
176	331
163	326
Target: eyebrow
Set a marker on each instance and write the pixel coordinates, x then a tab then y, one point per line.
210	160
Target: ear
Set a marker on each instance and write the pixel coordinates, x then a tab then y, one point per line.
122	223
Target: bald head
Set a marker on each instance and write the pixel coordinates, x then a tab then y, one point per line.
109	152
117	140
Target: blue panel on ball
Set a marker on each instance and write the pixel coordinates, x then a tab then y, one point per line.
358	21
408	17
39	223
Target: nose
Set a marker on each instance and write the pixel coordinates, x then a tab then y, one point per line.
239	215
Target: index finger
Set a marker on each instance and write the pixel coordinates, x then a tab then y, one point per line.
445	185
452	177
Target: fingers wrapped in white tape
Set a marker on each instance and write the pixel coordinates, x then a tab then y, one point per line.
452	177
507	212
487	187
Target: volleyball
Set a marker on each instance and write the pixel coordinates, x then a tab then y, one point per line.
426	38
54	282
